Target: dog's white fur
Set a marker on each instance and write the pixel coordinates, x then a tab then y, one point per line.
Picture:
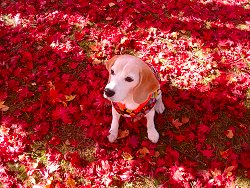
133	93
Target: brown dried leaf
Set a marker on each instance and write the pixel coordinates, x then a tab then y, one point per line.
123	134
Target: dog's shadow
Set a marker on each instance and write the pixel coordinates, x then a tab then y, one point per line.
205	127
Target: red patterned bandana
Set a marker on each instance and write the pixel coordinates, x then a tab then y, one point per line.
142	109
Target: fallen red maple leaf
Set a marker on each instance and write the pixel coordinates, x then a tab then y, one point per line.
55	96
132	141
207	153
55	140
203	129
184	119
245	159
61	113
170	103
180	138
172	156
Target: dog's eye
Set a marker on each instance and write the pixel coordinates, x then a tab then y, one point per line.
129	79
112	72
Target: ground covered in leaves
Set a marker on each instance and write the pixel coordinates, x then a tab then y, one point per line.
54	119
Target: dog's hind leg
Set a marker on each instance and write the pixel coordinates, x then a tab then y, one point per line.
153	135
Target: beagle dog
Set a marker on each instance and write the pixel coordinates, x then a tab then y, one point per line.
134	91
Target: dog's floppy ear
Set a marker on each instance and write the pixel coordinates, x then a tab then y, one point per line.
110	62
147	84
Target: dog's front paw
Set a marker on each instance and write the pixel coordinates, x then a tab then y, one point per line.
153	135
159	107
113	136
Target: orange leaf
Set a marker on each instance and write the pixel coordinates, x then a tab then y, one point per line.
228	170
48	186
4	130
49	183
70	182
143	151
229	133
3	107
93	48
127	156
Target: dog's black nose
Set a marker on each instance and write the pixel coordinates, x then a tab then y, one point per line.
109	92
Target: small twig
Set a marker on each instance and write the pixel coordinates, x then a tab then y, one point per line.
184	153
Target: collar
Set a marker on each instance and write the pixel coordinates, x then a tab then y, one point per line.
141	110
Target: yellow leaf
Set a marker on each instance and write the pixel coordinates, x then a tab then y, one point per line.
175	35
3	107
153	30
127	156
200	54
70	97
216	172
96	62
242	27
123	40
208	25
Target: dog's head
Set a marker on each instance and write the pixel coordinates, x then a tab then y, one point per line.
128	75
